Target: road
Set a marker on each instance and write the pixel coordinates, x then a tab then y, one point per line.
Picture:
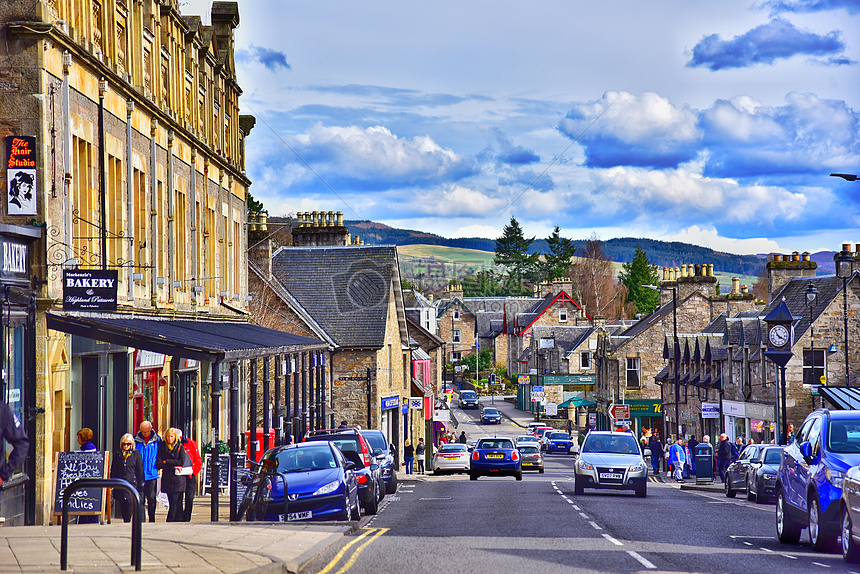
450	524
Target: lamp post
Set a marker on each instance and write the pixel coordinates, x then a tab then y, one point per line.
844	269
677	352
811	294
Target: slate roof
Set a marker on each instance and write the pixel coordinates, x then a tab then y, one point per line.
794	293
345	288
567	338
489	323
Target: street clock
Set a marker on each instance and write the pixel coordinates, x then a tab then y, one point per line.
780	334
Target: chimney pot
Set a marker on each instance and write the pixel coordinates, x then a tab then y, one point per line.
804	256
665	273
316	219
736	282
340	219
795	256
846	247
299	217
744	289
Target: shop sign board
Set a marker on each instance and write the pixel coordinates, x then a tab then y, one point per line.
710	410
89	289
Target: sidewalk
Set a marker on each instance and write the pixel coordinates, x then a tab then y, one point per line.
199	546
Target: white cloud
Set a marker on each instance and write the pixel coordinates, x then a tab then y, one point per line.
458	201
709	237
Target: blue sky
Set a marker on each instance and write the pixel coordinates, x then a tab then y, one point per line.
714	123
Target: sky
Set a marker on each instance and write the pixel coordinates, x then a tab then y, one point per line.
712	123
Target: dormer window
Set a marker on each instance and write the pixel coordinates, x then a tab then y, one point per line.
562	316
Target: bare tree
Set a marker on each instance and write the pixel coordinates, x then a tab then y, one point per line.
594	283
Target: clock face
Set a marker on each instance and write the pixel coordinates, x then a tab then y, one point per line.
778	336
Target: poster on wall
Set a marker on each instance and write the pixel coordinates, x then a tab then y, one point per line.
21	175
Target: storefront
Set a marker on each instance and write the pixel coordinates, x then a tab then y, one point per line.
646	414
18	362
391	419
734	417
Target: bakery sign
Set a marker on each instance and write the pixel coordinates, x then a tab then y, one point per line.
89	289
21	175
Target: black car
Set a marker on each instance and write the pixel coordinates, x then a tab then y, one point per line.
762	474
468	400
737	473
377	440
355	448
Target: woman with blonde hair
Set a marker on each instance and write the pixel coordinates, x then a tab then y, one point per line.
173	461
128	465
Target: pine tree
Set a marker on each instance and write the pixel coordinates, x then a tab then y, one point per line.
636	273
556	263
512	251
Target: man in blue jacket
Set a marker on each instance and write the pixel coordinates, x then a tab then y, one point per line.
146	441
677	459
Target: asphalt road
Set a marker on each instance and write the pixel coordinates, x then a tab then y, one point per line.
451	524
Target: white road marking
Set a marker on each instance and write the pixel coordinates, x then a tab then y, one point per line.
739	536
570	502
822	565
565	497
747	543
442	498
575	507
584	515
594	524
765	549
789	556
641	560
613	540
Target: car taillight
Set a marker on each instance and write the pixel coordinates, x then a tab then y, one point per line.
515	455
474	455
362	478
365	453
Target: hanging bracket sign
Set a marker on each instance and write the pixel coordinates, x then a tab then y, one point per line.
89	289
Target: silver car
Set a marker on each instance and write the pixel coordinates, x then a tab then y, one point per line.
610	460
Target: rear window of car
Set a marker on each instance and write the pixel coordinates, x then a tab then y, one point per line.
528	449
772	456
454	447
559	435
376	440
844	436
620	443
495	443
526	438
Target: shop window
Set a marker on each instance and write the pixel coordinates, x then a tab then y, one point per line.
813	367
14	351
633	372
585	360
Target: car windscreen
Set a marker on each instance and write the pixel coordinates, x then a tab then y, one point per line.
495	443
623	443
844	436
491	412
454	447
468	395
772	456
348	445
376	440
560	436
306	459
526	438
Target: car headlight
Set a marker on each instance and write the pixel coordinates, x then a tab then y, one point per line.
638	467
327	489
769	476
584	465
834	476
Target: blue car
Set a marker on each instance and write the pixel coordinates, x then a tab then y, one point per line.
809	480
491	415
320	483
559	442
385	458
495	457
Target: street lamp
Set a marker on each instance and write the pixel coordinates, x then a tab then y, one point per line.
811	294
677	351
844	268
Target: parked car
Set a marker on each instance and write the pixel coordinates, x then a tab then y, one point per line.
543	436
495	457
810	476
850	517
385	460
453	457
527	439
610	460
762	474
491	415
355	448
321	482
557	441
531	458
737	473
468	400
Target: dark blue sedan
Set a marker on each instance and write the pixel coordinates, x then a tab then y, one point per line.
491	415
320	483
495	457
558	441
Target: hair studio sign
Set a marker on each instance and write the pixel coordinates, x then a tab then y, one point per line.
89	289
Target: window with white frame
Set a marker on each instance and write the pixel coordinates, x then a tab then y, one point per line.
585	360
456	314
812	373
456	336
633	372
562	316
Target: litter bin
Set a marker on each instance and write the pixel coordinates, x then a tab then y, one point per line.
704	463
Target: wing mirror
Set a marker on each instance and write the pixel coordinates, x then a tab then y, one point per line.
349	465
806	451
377	452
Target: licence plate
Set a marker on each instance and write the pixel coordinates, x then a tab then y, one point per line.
611	475
495	456
451	457
299	515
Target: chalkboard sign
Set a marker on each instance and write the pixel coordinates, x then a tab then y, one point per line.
223	469
71	466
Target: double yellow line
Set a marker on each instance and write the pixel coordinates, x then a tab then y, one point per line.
372	533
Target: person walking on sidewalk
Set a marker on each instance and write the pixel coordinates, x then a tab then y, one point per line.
462	438
419	454
146	442
171	460
677	459
12	432
408	455
724	456
656	453
196	464
128	465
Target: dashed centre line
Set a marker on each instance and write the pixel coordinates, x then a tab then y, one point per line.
615	541
595	525
638	557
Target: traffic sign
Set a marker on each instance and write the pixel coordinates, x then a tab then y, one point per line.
619	412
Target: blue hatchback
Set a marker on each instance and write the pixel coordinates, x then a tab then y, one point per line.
320	483
495	457
809	480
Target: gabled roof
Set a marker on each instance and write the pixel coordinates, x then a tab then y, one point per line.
415	328
568	338
527	319
450	303
346	289
794	292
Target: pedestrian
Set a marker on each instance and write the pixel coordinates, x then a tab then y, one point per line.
85	439
656	453
128	465
146	442
12	435
688	466
343	425
419	454
408	455
737	447
692	444
676	457
172	460
790	435
462	438
587	428
626	428
196	464
724	456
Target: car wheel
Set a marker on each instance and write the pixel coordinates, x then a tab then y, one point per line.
850	549
787	530
730	492
355	514
392	487
821	540
759	497
473	476
577	486
750	495
347	510
372	507
519	475
642	490
540	470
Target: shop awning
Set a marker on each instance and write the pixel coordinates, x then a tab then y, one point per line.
210	341
576	402
843	398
